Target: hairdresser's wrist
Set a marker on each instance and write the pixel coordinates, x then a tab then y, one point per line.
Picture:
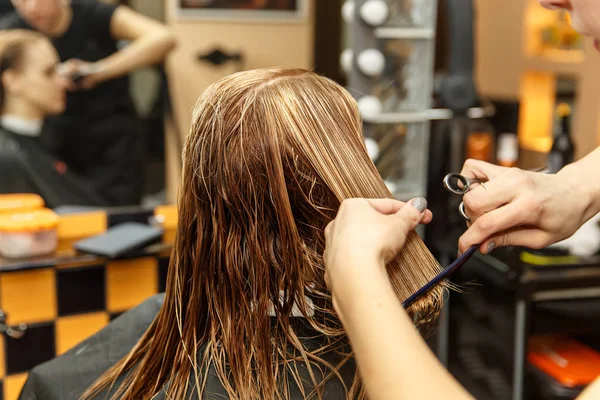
586	184
373	294
355	279
103	71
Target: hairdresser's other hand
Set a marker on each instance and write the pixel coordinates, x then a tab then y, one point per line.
522	208
367	233
81	75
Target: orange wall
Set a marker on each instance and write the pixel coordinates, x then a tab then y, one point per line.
498	47
263	44
502	63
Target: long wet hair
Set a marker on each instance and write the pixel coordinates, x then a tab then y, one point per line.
269	158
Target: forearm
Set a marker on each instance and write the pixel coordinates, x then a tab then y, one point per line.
138	54
393	359
591	392
585	175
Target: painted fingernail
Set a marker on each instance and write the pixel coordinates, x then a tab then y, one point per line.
491	246
420	204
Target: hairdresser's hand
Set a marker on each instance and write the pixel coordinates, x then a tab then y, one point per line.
363	237
81	75
522	208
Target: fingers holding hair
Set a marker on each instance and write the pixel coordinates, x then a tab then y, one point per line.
410	215
392	206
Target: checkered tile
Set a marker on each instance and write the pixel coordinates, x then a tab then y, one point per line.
63	303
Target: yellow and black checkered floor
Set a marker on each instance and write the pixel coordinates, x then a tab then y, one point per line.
61	307
68	297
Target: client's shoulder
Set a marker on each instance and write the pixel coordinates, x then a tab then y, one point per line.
69	375
7	144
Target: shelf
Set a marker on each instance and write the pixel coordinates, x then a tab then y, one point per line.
404	33
546	64
397	117
428	115
560	56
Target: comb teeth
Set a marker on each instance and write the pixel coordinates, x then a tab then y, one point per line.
425	311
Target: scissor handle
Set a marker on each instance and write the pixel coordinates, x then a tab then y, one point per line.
453	187
462	212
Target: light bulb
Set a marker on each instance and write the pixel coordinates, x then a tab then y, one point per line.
369	106
346	60
374	12
372	148
348	11
392	186
371	62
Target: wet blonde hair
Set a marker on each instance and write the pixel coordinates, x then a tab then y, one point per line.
270	156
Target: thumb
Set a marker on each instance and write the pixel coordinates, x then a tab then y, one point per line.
409	216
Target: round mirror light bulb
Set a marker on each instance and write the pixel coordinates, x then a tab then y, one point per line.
371	62
369	107
372	148
374	12
392	186
346	60
348	11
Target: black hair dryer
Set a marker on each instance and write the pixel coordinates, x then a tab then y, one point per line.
456	89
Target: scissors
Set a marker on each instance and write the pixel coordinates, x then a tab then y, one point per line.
452	181
451	184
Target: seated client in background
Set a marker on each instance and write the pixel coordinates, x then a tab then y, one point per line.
100	134
30	90
247	314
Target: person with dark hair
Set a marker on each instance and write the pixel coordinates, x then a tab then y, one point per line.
31	89
6	8
99	134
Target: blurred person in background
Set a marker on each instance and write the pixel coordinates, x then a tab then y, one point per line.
99	135
6	7
30	90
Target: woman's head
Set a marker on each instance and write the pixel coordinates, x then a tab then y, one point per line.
29	83
43	15
272	153
269	158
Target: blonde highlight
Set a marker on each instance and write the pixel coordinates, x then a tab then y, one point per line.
270	156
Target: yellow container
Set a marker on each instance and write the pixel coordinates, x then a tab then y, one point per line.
19	202
28	233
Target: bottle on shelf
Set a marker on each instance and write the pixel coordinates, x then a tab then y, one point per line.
563	148
480	146
560	34
508	150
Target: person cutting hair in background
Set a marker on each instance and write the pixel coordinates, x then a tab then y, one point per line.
99	133
518	208
31	89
